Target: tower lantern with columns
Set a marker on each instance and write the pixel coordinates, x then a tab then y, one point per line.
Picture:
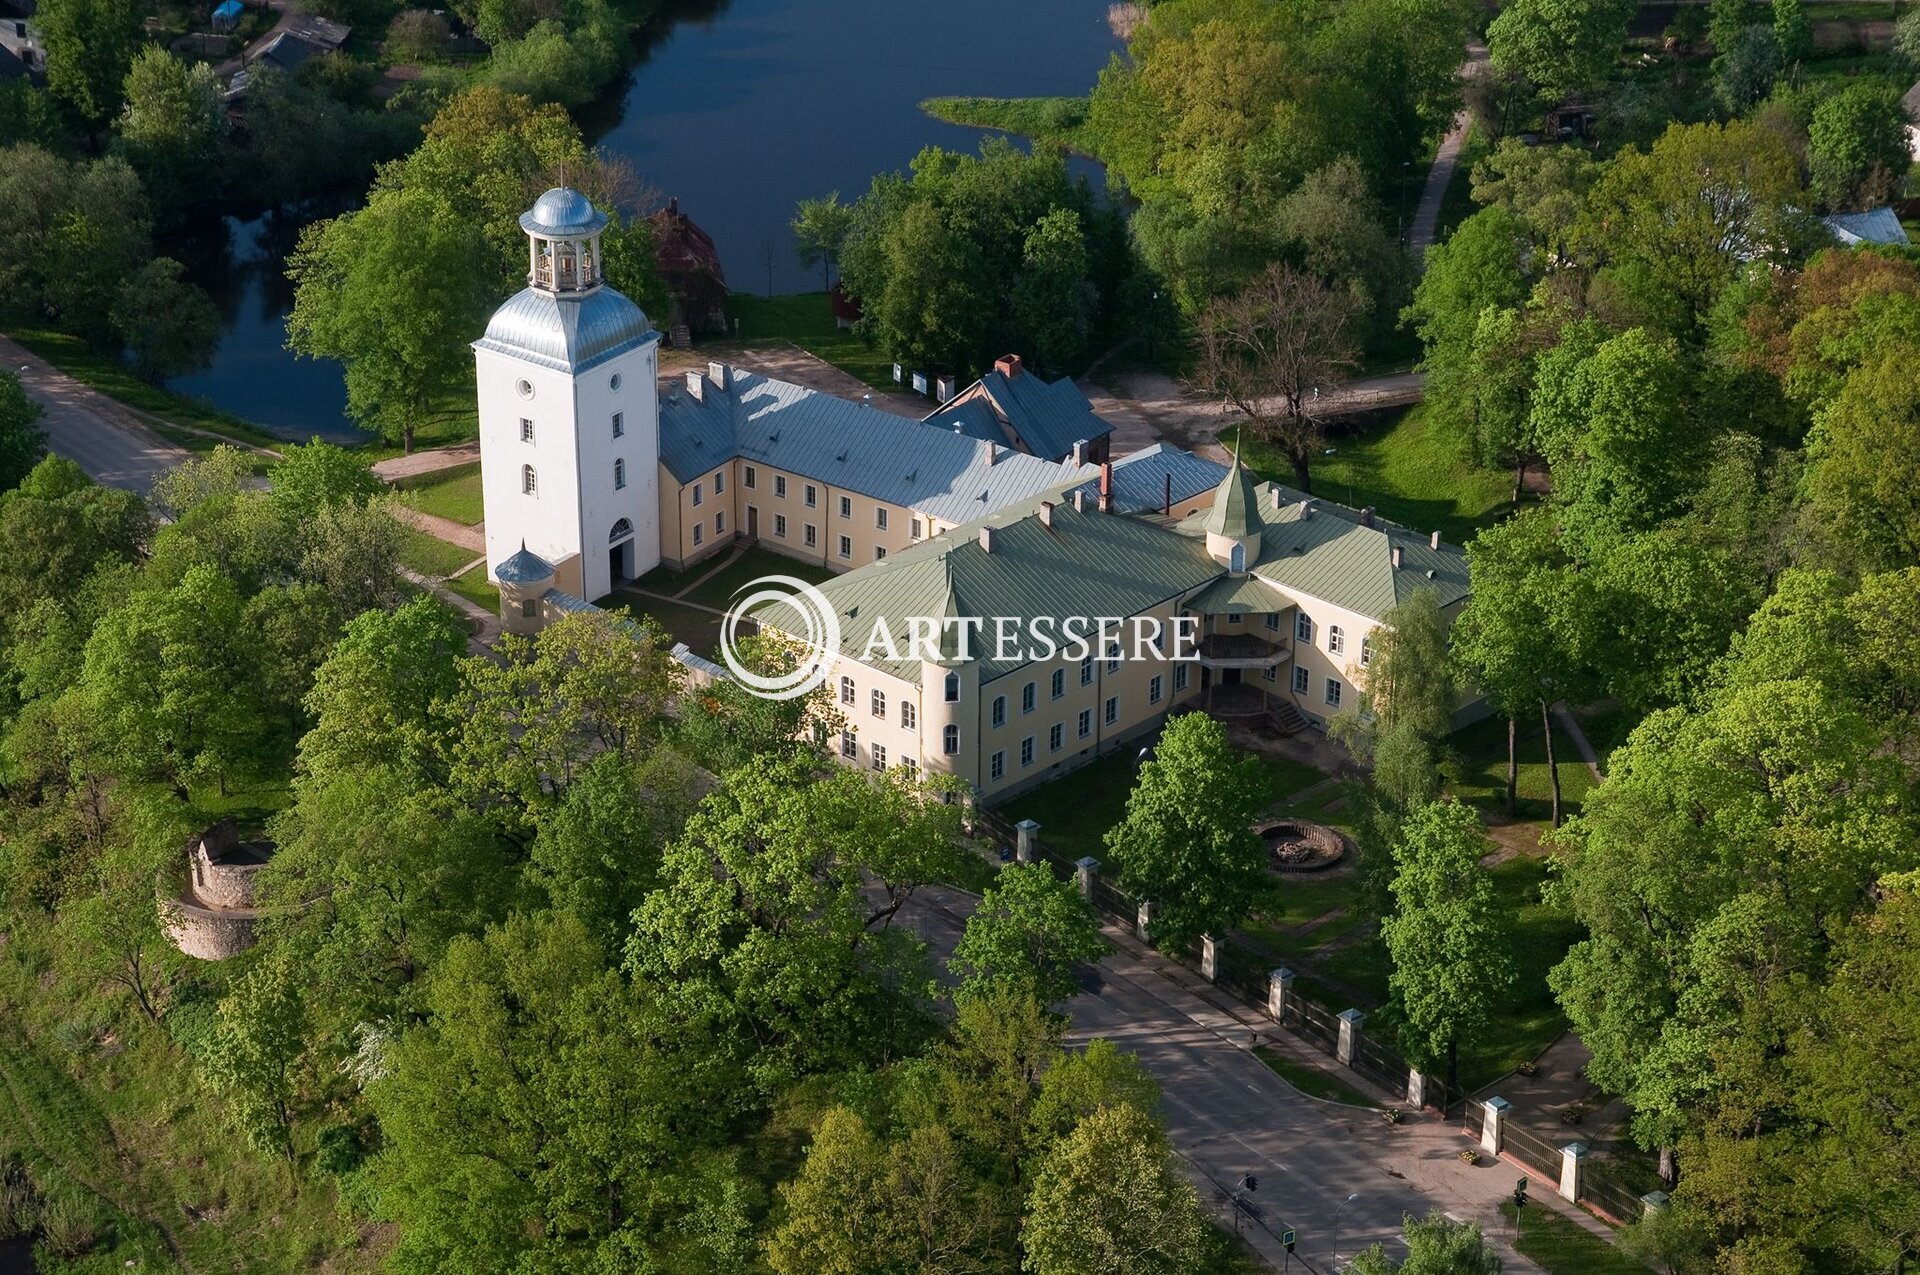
569	414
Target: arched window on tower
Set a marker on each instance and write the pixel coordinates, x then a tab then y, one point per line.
621	530
953	688
619	475
529	481
1237	558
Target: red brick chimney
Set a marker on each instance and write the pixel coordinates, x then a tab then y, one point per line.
1007	365
1106	486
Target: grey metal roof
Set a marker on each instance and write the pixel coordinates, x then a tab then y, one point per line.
1140	479
1046	417
1876	225
567	333
1085	564
562	213
974	418
524	567
848	446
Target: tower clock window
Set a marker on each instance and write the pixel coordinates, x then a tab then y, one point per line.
529	481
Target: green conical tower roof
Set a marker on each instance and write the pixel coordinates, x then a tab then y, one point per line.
1236	505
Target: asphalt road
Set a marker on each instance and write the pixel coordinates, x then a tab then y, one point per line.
1230	1115
102	436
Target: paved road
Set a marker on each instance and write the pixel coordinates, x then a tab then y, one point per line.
1229	1114
105	437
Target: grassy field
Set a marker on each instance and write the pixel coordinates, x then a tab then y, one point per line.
804	319
1050	121
446	493
111	377
105	1110
1404	467
1564	1247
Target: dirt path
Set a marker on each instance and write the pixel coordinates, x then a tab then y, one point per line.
473	538
427	462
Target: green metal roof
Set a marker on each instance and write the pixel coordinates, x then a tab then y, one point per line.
1086	564
1238	595
1236	504
1334	556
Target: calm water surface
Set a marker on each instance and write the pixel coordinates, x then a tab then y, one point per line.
736	109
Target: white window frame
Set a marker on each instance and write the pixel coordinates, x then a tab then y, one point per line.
1333	692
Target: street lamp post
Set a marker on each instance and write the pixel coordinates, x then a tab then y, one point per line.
1336	1227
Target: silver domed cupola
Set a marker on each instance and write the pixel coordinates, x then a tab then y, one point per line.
563	242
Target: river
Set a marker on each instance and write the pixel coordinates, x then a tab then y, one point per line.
736	109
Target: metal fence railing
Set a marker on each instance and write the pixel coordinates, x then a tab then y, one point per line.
1476	1117
1532	1150
1606	1193
1378	1063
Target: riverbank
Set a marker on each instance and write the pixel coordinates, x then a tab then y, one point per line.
1046	121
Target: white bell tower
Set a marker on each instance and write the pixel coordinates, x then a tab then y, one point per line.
569	412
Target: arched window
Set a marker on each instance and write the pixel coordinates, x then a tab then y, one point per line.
1366	650
879	703
1336	640
1237	559
953	690
619	474
621	530
950	740
846	690
529	481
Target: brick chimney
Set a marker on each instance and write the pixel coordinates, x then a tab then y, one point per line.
1080	452
1433	541
697	387
1008	365
1046	513
717	373
1366	516
1106	486
986	539
1080	501
1399	557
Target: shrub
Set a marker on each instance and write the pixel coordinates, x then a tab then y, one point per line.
418	35
71	1225
17	1205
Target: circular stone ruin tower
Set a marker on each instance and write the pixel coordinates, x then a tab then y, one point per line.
213	917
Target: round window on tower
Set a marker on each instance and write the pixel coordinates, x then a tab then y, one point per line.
525	388
614	383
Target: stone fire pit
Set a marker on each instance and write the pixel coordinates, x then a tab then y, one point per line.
1295	845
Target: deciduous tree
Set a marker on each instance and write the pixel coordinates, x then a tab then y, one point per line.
1029	928
1436	1245
1268	350
22	442
1562	46
169	325
1110	1200
1187	841
90	44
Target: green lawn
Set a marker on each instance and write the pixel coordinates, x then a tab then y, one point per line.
1563	1247
1479	775
1312	1081
430	556
446	493
476	588
1406	469
804	319
112	377
700	630
749	566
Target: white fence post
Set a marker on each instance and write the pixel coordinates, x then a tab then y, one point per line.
1350	1023
1416	1088
1573	1163
1493	1129
1143	920
1209	957
1279	987
1086	871
1026	833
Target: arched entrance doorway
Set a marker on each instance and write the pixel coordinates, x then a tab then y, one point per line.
620	552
